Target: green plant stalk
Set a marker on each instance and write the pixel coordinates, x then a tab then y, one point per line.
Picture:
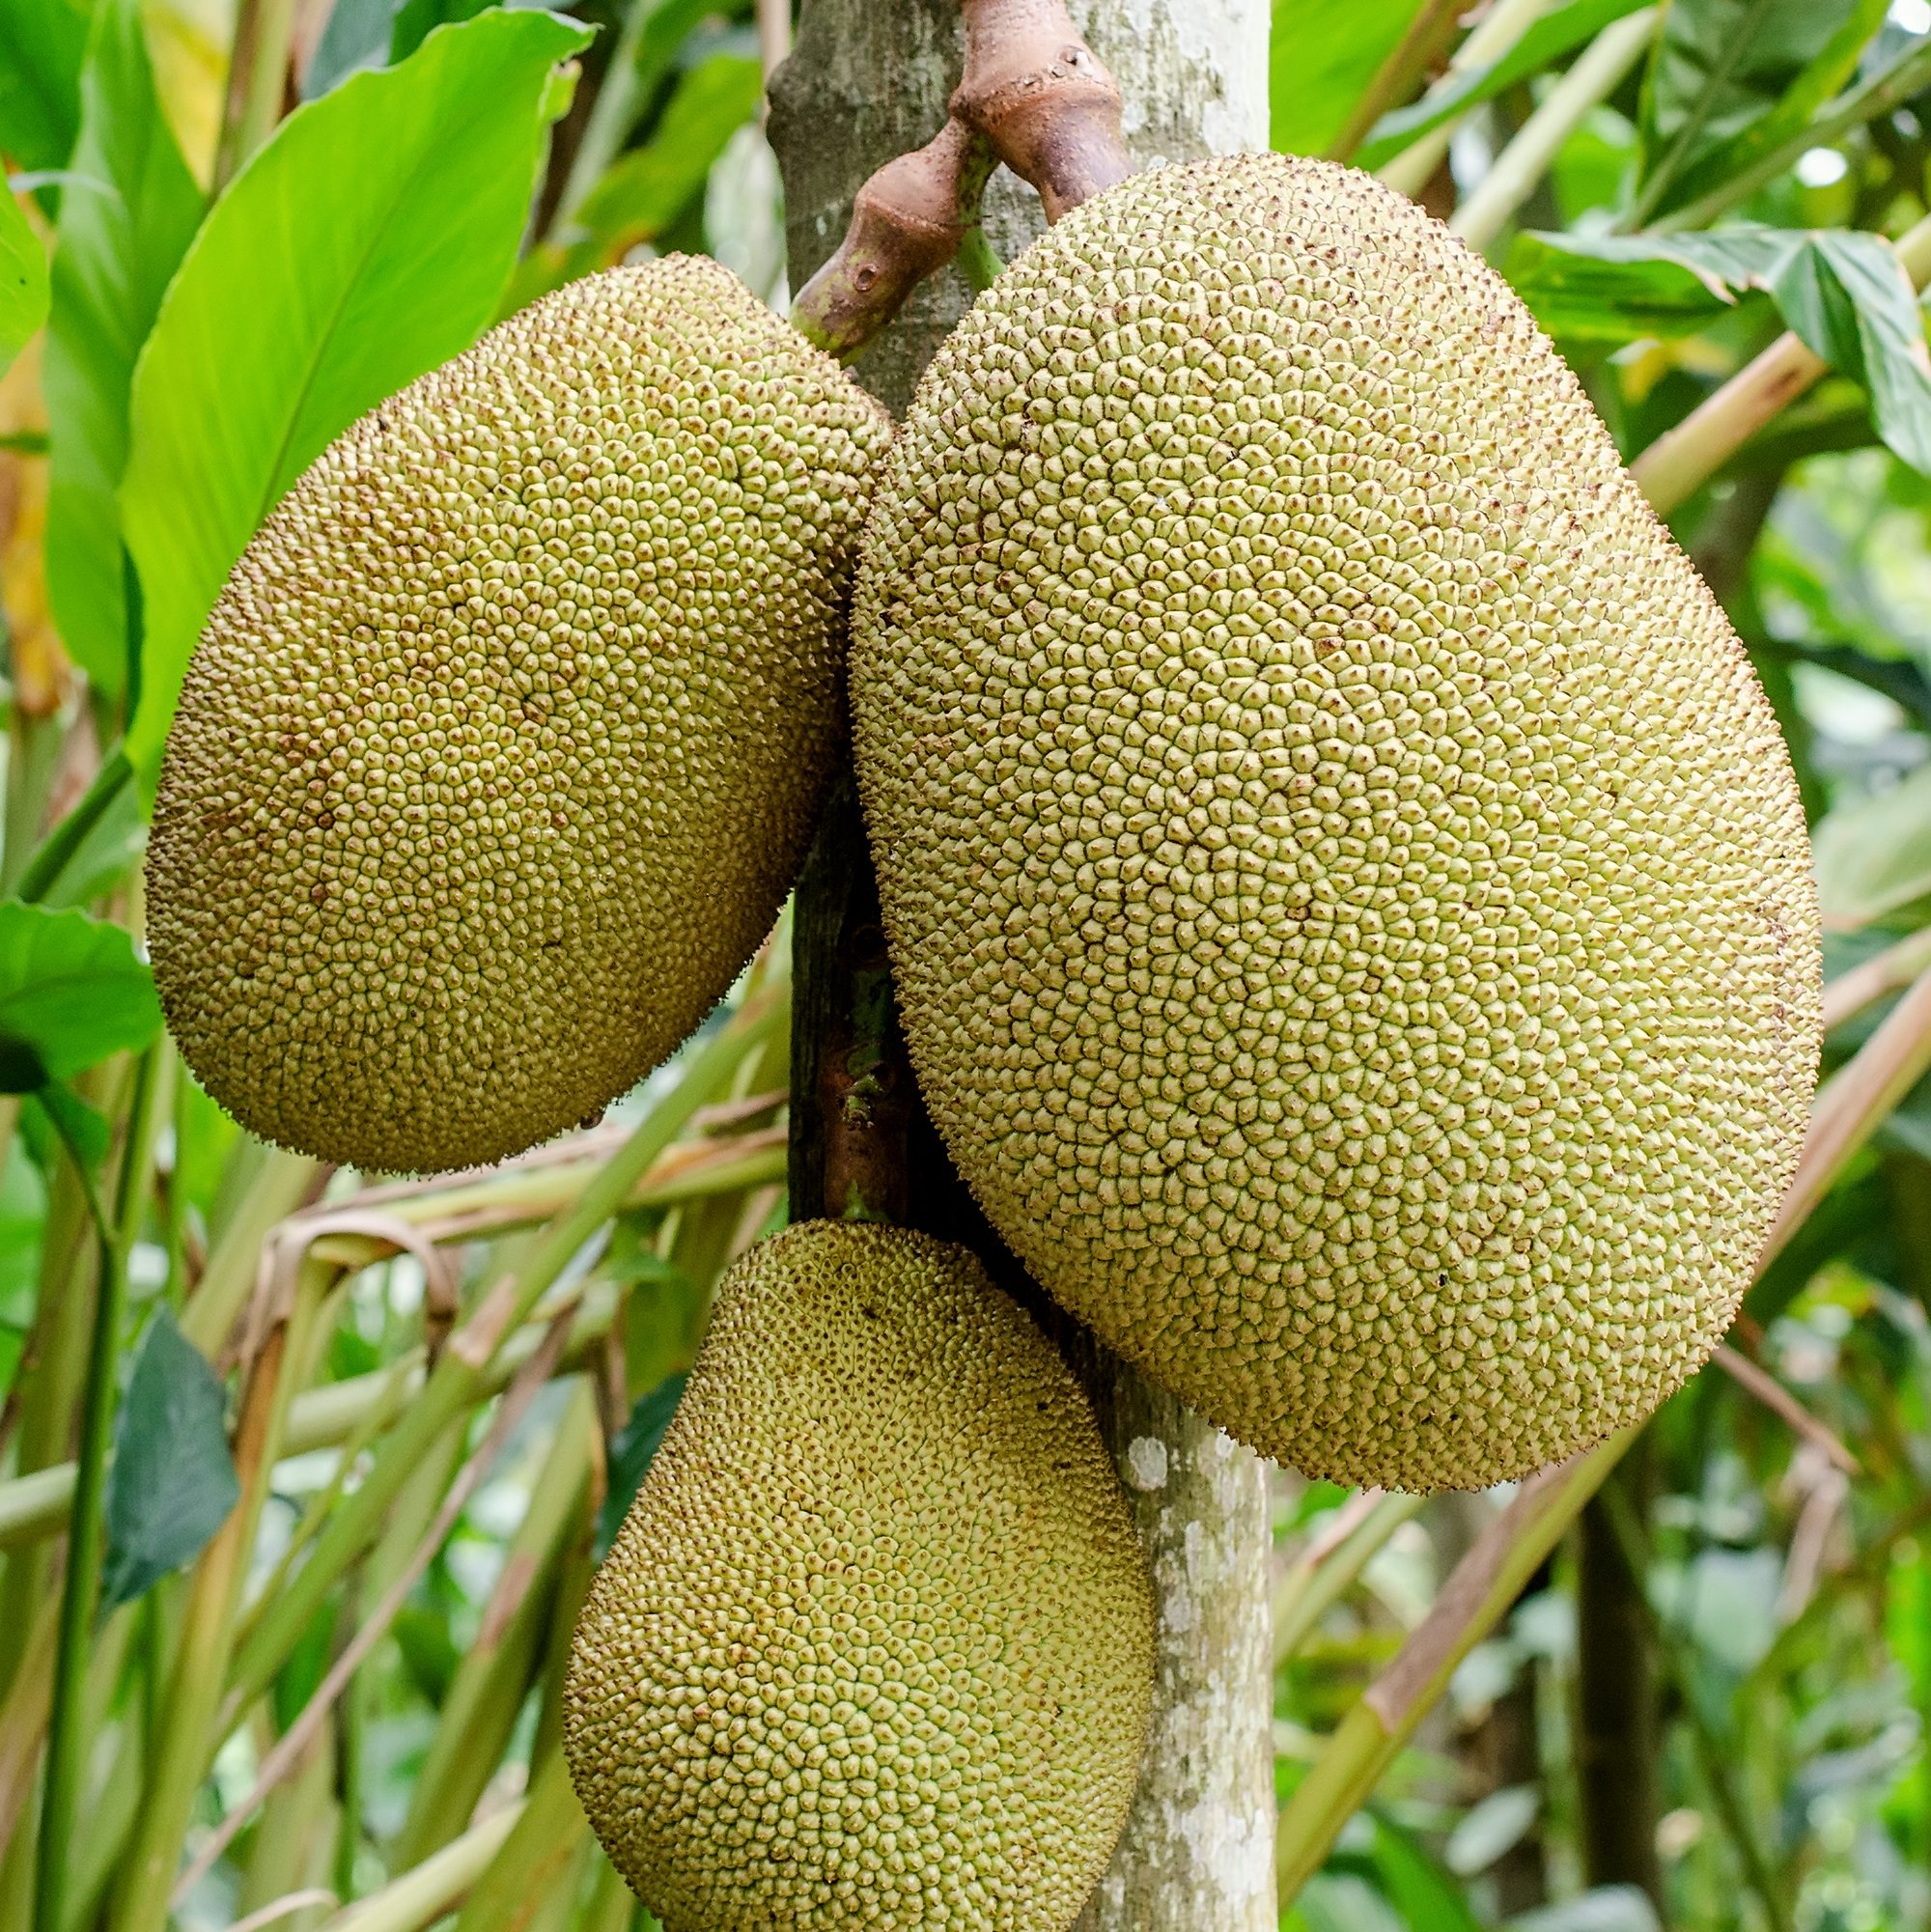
456	1382
1669	1646
396	1383
334	1416
611	1906
351	1723
1477	1594
492	1680
1399	74
436	1886
277	1188
1681	460
110	1817
1490	38
1590	81
1309	1588
67	1729
1882	93
188	1728
289	1850
1854	1104
33	757
65	1293
527	1197
23	1721
43	866
1887	972
578	1567
258	70
532	1860
619	98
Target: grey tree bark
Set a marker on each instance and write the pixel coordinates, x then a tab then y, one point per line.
869	79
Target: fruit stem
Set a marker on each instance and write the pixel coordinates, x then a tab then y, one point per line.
908	221
1034	88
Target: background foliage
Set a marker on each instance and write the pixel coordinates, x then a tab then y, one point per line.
336	1558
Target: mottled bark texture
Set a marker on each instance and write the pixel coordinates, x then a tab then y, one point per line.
868	81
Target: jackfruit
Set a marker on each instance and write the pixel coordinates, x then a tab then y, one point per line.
875	1643
505	739
1347	889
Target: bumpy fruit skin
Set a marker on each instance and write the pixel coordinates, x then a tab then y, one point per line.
503	744
1349	897
875	1643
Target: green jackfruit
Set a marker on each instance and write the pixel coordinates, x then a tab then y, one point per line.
504	742
1348	894
875	1643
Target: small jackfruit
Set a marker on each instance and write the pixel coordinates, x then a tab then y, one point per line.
1347	891
875	1643
505	740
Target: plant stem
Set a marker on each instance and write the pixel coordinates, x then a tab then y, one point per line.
66	1741
1594	77
1873	979
1399	74
619	96
533	1860
188	1732
1854	1104
258	78
1898	83
1323	1576
43	866
1479	1590
290	1747
1619	1522
1681	460
436	1886
455	1383
1490	38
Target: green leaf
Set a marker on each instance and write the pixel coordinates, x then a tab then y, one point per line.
204	1136
1415	1886
652	185
23	280
1613	288
366	243
54	1120
357	36
1321	58
23	1216
647	188
1730	78
1558	32
1844	293
41	43
416	20
71	992
173	1480
125	221
632	1451
1791	107
1873	856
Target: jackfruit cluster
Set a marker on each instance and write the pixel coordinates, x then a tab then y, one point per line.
1346	888
875	1643
504	741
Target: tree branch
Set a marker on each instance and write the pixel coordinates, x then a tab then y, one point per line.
1034	90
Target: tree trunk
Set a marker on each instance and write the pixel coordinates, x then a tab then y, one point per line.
869	81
